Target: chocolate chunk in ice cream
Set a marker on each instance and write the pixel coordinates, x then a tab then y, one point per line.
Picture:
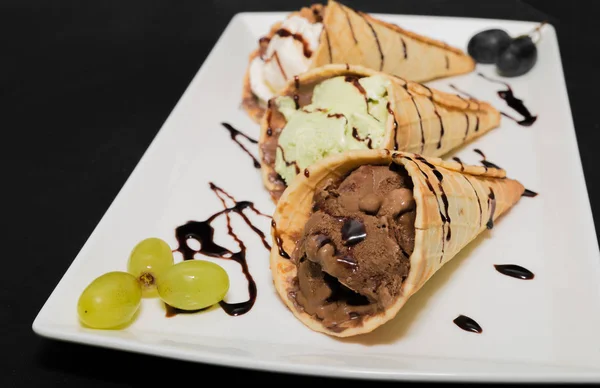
354	253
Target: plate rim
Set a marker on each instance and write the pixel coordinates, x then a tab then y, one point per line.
55	332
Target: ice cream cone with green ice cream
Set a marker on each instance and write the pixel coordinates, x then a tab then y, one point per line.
338	108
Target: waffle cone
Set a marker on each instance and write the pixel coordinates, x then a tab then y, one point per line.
470	207
356	38
424	121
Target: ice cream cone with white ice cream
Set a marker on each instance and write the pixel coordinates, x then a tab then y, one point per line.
320	35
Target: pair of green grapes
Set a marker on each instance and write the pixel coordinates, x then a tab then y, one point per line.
112	300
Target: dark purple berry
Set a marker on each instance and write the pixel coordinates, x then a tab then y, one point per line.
518	58
486	46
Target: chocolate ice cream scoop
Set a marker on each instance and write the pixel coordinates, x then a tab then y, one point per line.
354	253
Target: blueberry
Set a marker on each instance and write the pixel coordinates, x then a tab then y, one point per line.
518	58
486	46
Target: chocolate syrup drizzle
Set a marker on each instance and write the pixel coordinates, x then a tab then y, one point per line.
430	187
404	47
376	40
292	163
438	115
284	33
279	242
367	139
328	44
443	195
468	324
487	164
418	114
203	232
447	62
513	102
473	99
462	166
468	124
529	193
492	205
390	111
234	134
476	196
350	25
515	271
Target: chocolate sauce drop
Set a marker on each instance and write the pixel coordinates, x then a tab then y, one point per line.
296	101
298	37
279	242
515	271
203	232
468	324
529	193
479	152
492	205
367	139
513	102
234	133
376	40
354	81
306	172
353	231
297	82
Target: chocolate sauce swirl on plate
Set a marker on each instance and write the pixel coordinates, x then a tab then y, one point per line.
204	233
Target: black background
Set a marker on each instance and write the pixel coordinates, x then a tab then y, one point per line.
86	85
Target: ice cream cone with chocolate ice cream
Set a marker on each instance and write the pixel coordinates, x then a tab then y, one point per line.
363	231
320	35
336	108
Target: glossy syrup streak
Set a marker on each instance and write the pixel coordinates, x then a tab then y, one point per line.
297	37
438	116
440	178
367	139
376	40
513	102
390	111
278	241
234	133
468	324
292	163
515	271
350	25
457	159
487	164
430	187
203	232
492	206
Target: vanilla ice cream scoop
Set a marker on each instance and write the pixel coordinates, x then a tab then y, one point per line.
288	53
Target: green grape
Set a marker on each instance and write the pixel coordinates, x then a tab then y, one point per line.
147	261
110	301
193	285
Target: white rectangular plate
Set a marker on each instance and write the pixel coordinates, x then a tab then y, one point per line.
545	329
